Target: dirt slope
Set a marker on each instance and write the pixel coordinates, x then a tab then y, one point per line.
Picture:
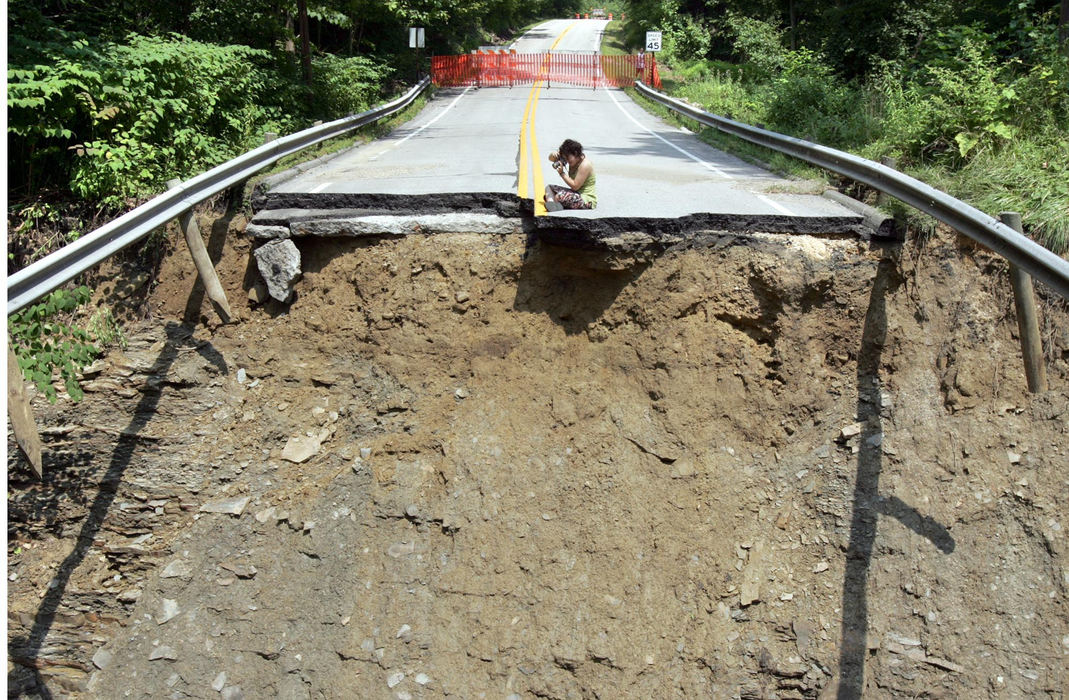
752	467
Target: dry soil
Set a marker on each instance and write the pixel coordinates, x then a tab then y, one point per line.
753	466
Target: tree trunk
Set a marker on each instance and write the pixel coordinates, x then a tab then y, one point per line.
1063	27
306	51
794	25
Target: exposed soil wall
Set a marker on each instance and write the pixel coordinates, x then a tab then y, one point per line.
754	466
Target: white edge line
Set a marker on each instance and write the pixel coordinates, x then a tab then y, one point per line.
774	205
440	115
688	154
320	188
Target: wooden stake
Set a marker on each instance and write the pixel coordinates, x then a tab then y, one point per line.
202	260
21	414
1024	298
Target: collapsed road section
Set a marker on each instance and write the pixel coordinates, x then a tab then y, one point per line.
283	216
464	464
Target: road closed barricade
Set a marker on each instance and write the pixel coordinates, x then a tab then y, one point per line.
498	69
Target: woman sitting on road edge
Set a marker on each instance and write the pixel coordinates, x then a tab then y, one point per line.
581	192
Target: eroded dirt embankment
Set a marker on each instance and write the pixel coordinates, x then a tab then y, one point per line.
756	466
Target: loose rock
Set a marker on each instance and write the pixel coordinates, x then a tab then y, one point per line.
279	263
230	506
170	611
179	568
163	653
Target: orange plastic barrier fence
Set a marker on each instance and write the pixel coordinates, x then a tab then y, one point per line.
510	69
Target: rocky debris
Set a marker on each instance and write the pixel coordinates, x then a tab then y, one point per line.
303	447
169	612
616	508
243	571
279	263
228	506
179	568
163	652
850	431
103	658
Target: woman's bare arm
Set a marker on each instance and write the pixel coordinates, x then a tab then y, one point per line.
585	168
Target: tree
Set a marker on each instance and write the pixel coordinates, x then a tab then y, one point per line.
306	51
1063	27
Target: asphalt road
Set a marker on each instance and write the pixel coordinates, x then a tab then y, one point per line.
495	140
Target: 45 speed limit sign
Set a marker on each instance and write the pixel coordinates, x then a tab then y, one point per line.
653	41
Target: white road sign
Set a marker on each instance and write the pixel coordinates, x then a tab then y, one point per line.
653	41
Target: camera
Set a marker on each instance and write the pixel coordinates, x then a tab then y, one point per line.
556	160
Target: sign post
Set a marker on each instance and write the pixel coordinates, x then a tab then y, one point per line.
417	39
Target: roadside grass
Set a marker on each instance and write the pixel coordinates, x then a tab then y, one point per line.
1029	176
613	41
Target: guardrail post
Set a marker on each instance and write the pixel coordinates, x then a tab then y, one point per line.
21	414
1024	298
202	260
881	196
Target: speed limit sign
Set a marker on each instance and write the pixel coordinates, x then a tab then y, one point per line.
653	41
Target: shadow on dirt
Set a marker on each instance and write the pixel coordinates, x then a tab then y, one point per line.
25	652
573	287
868	503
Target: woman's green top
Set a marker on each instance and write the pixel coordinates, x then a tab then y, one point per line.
588	191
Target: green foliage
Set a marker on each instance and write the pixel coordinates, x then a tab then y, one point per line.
806	91
685	38
121	119
45	345
105	328
758	43
171	107
348	85
49	81
969	116
107	101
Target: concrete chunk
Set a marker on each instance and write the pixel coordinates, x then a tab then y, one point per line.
280	265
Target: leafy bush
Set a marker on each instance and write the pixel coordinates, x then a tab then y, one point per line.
806	99
759	44
50	82
685	38
120	119
44	345
170	107
725	93
347	85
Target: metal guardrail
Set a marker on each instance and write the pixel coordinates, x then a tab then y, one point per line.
995	235
31	283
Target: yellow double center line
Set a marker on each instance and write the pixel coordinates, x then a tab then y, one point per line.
529	156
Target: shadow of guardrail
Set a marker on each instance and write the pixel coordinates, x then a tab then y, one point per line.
868	505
